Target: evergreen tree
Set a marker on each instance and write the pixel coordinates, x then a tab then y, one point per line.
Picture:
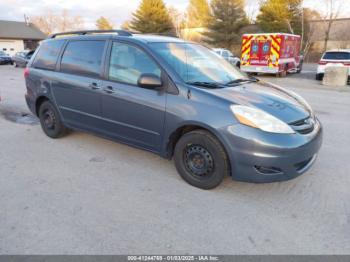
281	16
103	24
198	14
228	18
152	17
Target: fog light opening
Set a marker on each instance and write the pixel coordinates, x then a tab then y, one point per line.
268	170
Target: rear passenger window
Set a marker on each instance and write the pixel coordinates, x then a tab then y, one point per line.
83	58
128	63
48	54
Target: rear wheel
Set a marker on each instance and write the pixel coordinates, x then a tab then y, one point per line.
50	120
300	67
201	160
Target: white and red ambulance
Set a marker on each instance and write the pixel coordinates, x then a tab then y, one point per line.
276	53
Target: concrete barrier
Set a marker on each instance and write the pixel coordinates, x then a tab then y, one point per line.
335	76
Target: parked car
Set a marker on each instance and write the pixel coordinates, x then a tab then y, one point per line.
228	56
21	59
339	57
273	53
176	99
4	58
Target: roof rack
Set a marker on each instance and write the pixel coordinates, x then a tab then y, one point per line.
85	32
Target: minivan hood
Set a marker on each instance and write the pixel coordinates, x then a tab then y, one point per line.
267	97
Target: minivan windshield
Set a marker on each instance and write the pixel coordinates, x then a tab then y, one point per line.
196	64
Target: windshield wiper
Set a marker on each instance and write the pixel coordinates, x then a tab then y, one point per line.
241	80
205	84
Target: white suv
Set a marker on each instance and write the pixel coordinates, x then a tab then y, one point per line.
228	56
339	57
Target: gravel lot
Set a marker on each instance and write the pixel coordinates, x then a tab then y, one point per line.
85	195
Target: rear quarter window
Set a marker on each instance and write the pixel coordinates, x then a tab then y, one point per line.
47	55
336	56
83	57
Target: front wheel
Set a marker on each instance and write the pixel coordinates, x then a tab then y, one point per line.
201	160
50	120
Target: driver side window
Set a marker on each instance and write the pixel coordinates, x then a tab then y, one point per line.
128	63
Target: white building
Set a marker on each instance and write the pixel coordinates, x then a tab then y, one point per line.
18	36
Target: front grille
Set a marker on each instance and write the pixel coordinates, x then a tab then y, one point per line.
304	126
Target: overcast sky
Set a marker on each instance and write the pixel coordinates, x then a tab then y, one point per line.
116	10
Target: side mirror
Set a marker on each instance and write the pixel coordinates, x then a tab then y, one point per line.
149	81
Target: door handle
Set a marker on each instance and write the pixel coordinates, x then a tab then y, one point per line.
94	86
108	89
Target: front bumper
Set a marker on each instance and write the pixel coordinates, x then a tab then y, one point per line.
261	157
259	69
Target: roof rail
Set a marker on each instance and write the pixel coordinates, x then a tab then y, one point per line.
85	32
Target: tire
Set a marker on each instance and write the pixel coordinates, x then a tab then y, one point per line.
300	68
319	77
50	120
201	160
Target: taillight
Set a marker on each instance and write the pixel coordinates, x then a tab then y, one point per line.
26	72
347	64
322	63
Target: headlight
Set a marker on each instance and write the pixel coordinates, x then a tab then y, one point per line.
257	118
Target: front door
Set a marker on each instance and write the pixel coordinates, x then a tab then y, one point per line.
131	113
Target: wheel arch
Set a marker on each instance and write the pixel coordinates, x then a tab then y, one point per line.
186	128
39	101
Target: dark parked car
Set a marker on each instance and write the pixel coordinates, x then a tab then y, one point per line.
21	59
173	98
4	58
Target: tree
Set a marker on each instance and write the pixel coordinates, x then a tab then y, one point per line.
178	19
198	14
66	22
308	28
333	8
125	25
152	17
295	21
45	23
103	24
52	23
283	16
228	18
